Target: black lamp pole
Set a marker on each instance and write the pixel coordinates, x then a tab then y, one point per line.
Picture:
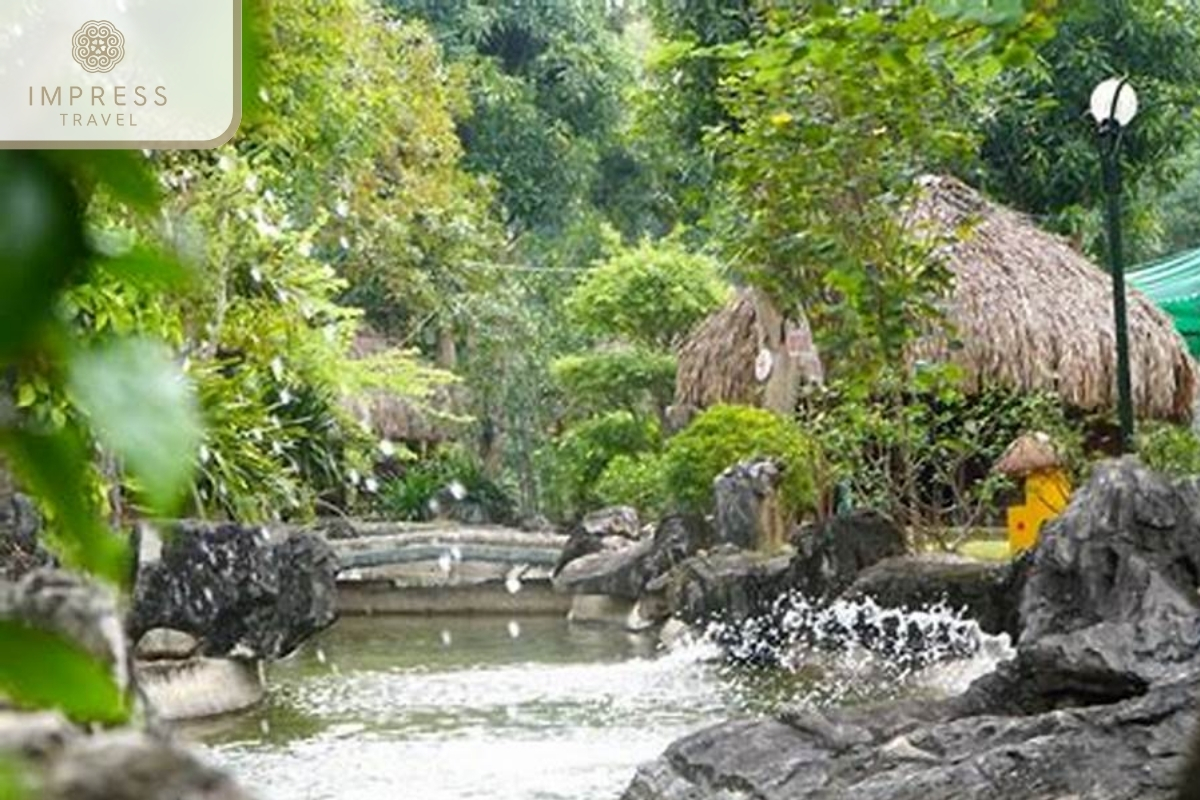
1111	131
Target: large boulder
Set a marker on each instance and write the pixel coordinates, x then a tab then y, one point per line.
61	762
20	523
749	509
728	585
831	554
242	591
627	571
1098	702
988	593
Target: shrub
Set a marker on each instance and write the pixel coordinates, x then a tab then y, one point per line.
634	481
578	458
410	495
724	435
633	379
1172	449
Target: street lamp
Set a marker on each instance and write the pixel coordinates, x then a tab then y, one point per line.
1114	105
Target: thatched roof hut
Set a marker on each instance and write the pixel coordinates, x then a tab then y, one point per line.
1026	310
397	418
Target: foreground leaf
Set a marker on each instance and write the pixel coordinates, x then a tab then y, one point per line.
144	410
39	669
53	467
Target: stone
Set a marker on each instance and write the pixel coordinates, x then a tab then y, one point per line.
1125	751
988	593
165	644
749	511
831	553
726	586
613	521
626	572
198	687
240	590
21	550
1099	701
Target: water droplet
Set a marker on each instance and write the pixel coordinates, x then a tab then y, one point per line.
264	725
320	656
445	562
447	639
512	582
514	629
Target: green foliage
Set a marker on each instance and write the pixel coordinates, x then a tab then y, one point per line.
835	111
576	460
650	295
1172	449
633	379
413	495
636	481
724	435
1039	144
922	450
39	669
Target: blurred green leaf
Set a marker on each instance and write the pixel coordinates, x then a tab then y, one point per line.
53	466
144	409
39	669
41	227
256	38
146	266
12	781
126	174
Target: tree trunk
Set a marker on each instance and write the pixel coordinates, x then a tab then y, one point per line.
789	370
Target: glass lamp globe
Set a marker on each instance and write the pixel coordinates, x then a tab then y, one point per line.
1114	100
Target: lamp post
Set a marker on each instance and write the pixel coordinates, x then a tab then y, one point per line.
1114	105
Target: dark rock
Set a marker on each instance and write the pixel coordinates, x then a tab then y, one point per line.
238	589
20	548
1132	749
727	585
831	553
627	571
749	513
988	593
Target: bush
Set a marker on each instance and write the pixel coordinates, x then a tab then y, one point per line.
633	379
579	457
411	495
724	435
1172	449
634	481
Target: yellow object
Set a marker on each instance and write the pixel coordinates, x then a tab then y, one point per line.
1047	492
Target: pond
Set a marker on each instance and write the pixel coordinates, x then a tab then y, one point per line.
475	707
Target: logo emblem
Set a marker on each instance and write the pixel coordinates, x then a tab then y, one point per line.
98	46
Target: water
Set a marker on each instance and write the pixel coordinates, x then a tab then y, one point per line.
463	708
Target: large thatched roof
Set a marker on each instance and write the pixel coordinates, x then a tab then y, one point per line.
1026	310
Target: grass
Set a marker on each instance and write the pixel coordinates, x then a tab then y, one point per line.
986	549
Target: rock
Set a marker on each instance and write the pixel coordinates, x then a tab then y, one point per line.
198	687
20	548
130	765
77	609
626	572
1099	701
1124	751
988	593
831	553
727	586
613	521
749	512
603	608
1110	604
165	644
238	589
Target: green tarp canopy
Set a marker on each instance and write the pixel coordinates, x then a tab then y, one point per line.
1173	284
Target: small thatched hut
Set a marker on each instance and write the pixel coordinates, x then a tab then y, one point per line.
399	419
1026	310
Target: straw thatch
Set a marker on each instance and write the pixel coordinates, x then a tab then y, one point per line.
1026	310
1028	454
716	363
397	418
